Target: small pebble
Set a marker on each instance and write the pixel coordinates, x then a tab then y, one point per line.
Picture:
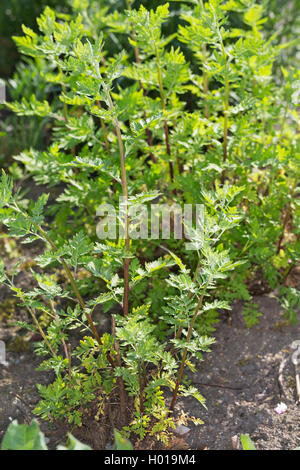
109	446
235	441
260	396
182	430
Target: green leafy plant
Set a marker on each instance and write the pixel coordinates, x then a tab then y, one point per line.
121	442
23	437
290	303
251	314
133	346
247	442
144	124
30	437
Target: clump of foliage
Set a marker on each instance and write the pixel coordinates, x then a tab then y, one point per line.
12	14
147	124
30	437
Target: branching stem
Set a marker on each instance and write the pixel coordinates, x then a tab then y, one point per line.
163	105
181	369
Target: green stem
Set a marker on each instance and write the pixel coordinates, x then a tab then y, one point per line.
104	130
31	311
138	60
41	331
141	391
75	288
182	365
125	196
120	381
286	108
179	331
226	108
70	277
205	82
65	106
66	350
163	105
123	396
226	94
225	128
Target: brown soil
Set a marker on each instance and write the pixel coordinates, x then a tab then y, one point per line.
240	380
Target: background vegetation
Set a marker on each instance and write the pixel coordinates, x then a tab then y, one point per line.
193	102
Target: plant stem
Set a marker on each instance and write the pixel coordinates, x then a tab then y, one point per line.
125	197
31	311
286	219
69	351
226	95
123	399
73	284
70	277
65	106
40	329
66	350
104	130
166	127
226	107
205	82
225	128
179	331
180	373
286	108
138	60
205	77
141	391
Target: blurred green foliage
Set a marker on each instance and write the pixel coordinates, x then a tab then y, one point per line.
22	75
14	13
283	19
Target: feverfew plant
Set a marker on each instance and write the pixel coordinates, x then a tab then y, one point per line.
146	124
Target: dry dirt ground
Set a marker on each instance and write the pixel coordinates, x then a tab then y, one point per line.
240	380
244	378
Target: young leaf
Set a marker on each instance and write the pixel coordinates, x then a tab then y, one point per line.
23	437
